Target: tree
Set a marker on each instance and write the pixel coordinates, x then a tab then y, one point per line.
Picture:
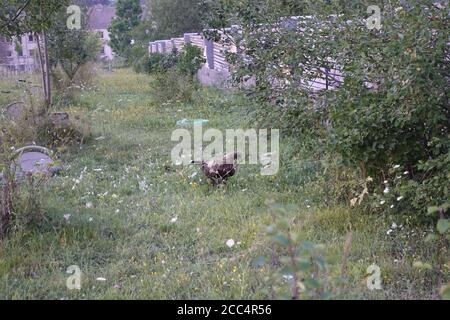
32	16
173	18
71	49
128	16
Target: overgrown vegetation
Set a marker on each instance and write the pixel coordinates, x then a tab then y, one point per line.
121	202
389	109
174	73
128	15
363	179
27	122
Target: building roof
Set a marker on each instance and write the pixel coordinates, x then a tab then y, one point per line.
100	16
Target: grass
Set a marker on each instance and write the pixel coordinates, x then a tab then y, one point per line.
122	203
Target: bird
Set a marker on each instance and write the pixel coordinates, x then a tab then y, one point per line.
218	171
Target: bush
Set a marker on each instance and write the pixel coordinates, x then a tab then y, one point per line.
149	64
187	62
391	116
190	60
67	89
172	85
174	73
390	110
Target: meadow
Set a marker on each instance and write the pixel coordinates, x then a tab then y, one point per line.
140	227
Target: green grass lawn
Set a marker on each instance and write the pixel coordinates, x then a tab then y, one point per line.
159	234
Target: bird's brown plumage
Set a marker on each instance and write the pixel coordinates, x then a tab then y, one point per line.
219	171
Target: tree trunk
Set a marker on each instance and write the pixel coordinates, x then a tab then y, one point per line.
48	95
43	61
43	57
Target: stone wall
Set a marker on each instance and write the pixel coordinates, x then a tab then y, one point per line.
215	71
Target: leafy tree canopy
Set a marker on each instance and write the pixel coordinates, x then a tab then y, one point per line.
128	17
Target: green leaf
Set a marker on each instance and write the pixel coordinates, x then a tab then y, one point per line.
445	292
282	224
431	238
308	245
432	210
442	226
283	240
259	262
312	283
421	265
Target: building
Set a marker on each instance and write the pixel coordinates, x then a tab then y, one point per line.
21	55
100	18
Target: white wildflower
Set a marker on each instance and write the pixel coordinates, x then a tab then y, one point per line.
396	166
382	202
394	225
143	185
67	216
230	243
288	276
100	279
89	205
174	219
386	191
399	198
389	231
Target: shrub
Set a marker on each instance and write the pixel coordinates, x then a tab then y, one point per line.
390	109
190	60
172	85
7	184
300	268
187	62
391	117
67	89
149	64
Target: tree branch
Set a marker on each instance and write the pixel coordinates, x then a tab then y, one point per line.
17	15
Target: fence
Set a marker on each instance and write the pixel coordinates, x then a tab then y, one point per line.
13	67
216	70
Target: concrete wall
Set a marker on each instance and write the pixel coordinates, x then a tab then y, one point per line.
216	70
106	52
